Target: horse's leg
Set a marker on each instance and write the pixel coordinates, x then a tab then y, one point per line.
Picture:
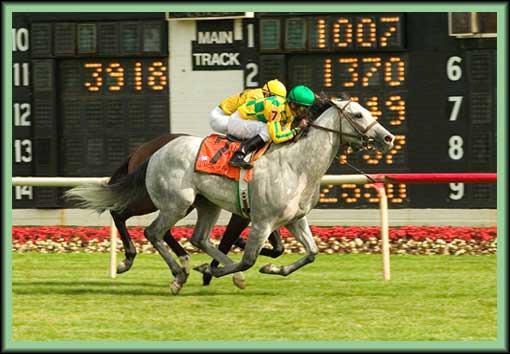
274	239
175	246
301	231
207	215
232	234
184	256
129	247
258	234
155	233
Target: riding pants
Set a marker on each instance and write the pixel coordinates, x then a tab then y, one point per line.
246	128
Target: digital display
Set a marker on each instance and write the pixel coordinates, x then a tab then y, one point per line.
123	75
318	35
295	33
270	34
89	89
105	39
107	103
129	38
378	81
152	37
336	33
86	38
361	72
65	39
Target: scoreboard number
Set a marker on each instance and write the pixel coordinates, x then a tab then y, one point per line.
456	151
22	150
453	69
23	191
114	75
20	39
253	70
21	114
457	101
456	191
21	74
356	195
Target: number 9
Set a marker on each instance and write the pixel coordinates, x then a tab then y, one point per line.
456	191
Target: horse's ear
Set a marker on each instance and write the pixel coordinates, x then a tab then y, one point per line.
344	96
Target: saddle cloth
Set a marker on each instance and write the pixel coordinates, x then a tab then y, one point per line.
215	153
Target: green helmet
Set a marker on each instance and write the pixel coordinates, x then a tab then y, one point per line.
301	95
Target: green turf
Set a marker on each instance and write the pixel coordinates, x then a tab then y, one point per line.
339	297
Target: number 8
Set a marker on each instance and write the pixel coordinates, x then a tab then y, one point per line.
456	152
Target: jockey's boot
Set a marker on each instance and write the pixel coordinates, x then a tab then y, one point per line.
246	147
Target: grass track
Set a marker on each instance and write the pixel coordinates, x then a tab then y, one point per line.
338	297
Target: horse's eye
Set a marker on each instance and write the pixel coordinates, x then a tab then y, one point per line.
358	115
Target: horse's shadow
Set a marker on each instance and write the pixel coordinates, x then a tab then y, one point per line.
122	288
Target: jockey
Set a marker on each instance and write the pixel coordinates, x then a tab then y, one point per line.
266	119
220	115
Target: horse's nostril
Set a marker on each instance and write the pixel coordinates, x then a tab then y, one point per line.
388	138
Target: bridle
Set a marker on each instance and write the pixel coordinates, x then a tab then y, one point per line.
366	141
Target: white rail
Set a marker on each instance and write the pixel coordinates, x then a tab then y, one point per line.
56	181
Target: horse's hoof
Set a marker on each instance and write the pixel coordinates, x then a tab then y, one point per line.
203	268
270	269
182	277
123	267
178	282
175	287
239	280
185	263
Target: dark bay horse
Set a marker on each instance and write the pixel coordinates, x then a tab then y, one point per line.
231	236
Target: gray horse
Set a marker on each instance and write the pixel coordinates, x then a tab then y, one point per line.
284	188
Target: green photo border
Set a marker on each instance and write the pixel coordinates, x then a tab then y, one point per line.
498	344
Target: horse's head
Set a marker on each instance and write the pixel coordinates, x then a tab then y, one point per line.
362	130
359	129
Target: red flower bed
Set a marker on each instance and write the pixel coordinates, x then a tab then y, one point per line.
417	233
338	239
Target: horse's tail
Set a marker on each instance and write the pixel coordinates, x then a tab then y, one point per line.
119	172
116	196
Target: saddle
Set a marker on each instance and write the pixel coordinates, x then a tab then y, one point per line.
215	152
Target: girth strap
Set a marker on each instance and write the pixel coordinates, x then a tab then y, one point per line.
243	194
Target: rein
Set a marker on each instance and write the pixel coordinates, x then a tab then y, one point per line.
361	132
320	127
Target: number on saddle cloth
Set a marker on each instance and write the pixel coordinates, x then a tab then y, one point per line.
214	154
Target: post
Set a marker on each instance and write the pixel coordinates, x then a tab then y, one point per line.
385	242
113	250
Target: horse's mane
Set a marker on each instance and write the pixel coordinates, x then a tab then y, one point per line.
323	102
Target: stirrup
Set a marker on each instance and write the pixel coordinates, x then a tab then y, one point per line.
238	161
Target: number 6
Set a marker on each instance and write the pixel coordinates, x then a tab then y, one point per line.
453	70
